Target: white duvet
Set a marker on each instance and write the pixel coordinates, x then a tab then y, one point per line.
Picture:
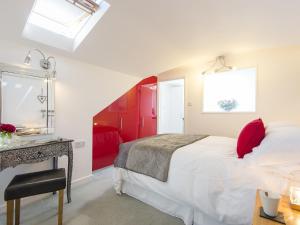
208	176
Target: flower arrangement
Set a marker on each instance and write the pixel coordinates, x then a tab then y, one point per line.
228	105
7	128
6	131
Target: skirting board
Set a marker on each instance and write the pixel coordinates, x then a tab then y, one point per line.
32	199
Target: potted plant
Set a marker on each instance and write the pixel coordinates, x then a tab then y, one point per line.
6	133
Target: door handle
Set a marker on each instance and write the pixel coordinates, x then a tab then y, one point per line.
143	121
121	123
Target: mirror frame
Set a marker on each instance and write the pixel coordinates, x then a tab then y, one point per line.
25	72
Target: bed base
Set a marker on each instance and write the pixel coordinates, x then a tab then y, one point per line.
188	214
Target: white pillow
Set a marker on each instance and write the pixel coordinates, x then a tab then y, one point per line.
281	146
273	126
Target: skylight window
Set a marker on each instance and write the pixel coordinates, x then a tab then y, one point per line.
66	22
58	16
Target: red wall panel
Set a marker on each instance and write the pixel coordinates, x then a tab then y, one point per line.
131	116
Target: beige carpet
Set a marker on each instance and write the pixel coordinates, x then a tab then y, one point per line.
95	203
120	210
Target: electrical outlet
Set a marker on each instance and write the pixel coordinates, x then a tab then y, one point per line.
79	144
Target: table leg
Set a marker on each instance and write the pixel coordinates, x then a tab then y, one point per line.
70	168
55	162
55	166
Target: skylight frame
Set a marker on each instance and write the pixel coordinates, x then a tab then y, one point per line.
52	24
66	40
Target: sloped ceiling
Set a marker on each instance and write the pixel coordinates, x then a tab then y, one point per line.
141	37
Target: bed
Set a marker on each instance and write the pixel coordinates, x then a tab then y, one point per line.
207	184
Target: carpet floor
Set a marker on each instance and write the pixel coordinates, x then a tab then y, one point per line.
94	202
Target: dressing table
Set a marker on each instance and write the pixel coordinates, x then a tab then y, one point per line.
27	101
28	152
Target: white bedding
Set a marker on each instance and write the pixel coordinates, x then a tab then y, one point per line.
208	177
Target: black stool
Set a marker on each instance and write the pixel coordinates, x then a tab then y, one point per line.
30	184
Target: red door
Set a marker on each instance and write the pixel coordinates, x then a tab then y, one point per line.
148	109
129	122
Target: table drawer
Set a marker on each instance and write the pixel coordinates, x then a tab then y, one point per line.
32	155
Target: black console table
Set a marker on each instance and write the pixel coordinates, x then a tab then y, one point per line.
38	151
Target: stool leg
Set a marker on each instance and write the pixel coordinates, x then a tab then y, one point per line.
17	211
10	212
60	206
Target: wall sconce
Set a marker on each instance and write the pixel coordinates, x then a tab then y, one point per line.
44	62
295	190
219	65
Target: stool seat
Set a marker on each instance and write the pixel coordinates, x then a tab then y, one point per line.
30	184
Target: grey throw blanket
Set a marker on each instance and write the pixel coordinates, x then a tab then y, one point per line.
151	156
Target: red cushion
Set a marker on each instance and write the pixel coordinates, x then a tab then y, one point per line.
251	136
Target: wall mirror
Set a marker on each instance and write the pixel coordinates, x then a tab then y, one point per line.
27	100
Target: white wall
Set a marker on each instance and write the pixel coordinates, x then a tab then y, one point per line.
82	90
278	91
